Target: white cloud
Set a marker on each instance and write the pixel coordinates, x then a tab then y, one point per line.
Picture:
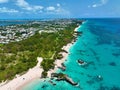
23	4
95	5
57	10
3	1
58	5
102	2
40	9
62	11
7	10
50	8
26	6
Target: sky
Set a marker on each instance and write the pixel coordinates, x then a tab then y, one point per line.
26	9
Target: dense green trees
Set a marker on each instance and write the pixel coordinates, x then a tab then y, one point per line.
17	57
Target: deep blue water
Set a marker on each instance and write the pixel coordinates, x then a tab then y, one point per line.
12	22
99	46
6	22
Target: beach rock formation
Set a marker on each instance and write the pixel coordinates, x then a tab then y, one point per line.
81	62
64	77
63	67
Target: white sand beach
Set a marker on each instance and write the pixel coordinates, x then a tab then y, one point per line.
20	81
76	29
35	73
59	62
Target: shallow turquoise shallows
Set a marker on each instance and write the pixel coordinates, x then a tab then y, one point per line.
99	47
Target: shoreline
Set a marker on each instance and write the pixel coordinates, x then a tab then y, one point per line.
20	81
35	73
58	62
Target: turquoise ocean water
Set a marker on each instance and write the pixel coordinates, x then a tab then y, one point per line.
99	46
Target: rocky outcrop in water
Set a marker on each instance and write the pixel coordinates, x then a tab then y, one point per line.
63	67
61	76
50	81
78	33
81	62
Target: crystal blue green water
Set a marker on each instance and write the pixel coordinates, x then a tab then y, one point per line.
99	47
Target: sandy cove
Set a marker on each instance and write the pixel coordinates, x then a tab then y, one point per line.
20	81
76	29
58	62
35	72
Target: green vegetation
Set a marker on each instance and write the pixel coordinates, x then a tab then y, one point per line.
1	45
59	56
61	75
17	57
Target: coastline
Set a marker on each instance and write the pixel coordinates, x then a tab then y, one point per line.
36	72
58	62
20	81
76	29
